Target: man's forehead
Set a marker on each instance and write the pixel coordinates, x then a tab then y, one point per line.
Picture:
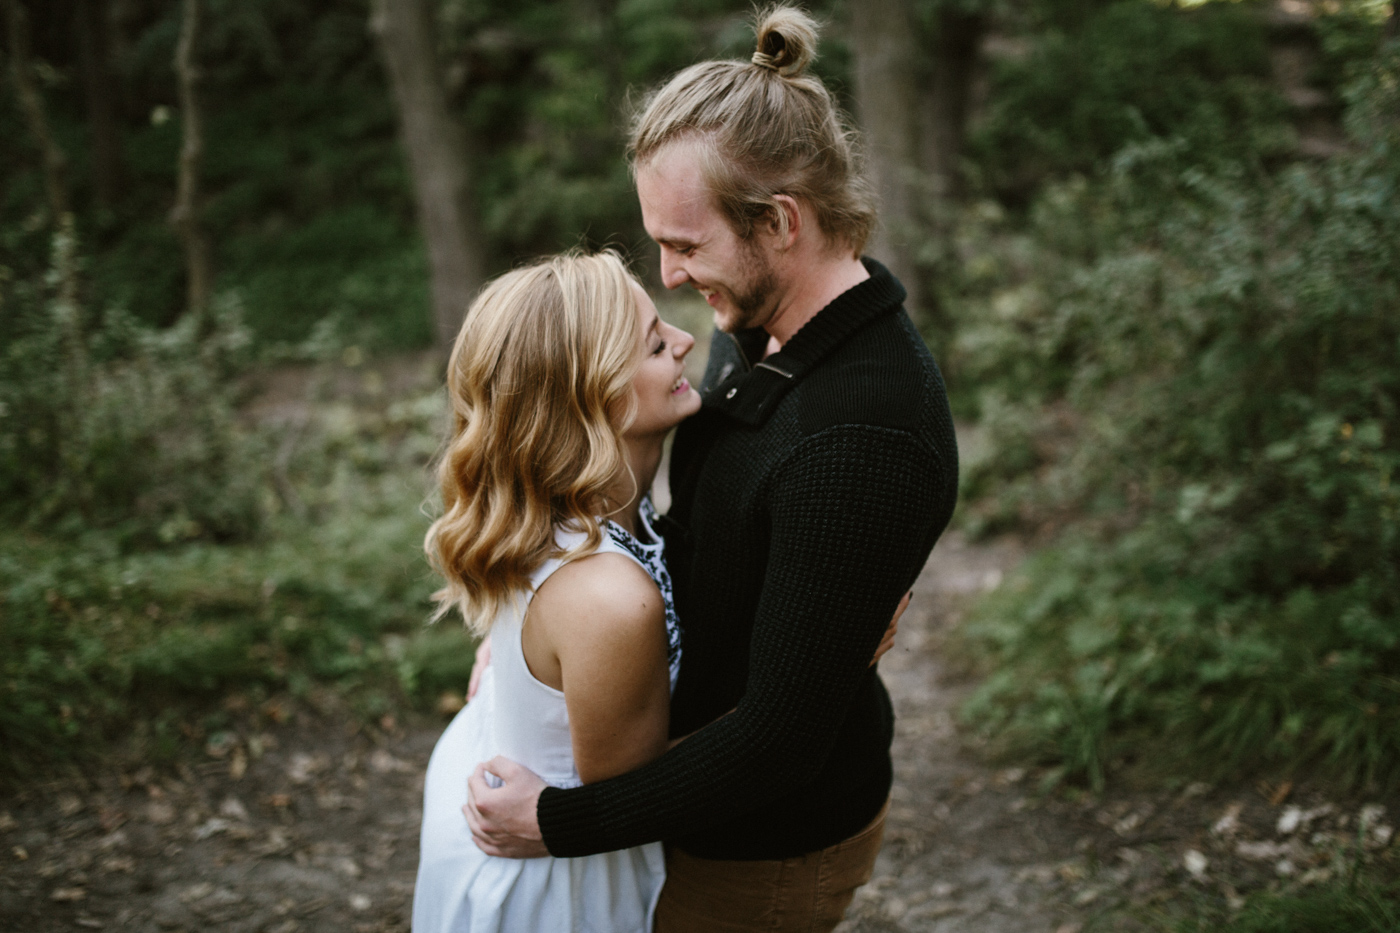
672	188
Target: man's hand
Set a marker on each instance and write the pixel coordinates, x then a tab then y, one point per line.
886	640
482	662
502	818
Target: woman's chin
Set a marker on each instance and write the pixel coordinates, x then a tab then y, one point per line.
690	404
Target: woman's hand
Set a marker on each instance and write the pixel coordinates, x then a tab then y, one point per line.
483	661
887	640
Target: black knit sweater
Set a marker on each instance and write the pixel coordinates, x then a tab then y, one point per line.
807	494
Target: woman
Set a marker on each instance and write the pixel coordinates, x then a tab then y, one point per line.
563	383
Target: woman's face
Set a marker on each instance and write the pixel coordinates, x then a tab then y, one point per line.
664	396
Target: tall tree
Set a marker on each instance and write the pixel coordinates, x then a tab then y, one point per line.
185	215
959	29
886	94
31	103
438	158
94	45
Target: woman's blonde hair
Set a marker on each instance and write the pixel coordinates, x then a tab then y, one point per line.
540	384
763	128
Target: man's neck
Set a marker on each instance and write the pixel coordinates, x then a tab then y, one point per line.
812	283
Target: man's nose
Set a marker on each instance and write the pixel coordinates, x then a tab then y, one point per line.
673	274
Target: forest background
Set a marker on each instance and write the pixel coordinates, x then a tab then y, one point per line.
1155	245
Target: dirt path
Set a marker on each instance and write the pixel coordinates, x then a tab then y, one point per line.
971	848
311	824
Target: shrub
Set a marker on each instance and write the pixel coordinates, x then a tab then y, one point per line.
105	423
1222	344
98	644
1103	76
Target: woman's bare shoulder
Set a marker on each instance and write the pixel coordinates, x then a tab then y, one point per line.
599	595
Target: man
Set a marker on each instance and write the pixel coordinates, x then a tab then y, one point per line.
807	494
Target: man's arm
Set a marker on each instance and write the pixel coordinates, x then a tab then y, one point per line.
851	515
513	830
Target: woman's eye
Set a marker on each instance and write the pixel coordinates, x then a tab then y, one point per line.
659	347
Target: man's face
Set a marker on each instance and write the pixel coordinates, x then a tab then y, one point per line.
735	276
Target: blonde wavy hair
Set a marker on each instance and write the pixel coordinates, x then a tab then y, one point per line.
540	384
762	128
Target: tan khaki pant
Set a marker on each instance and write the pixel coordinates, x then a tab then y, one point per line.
806	894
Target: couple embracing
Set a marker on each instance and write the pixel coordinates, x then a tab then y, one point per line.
680	724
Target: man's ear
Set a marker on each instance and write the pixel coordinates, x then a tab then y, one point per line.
784	220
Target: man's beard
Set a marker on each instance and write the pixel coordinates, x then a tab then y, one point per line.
753	298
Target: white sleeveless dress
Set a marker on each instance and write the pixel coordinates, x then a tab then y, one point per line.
460	889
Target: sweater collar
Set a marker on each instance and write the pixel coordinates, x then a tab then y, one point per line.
753	391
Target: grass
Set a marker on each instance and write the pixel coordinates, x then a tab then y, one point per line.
1344	907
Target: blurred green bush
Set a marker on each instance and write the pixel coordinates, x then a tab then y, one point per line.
162	550
107	424
1192	375
1099	77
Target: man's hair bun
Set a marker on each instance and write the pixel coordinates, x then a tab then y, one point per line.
787	40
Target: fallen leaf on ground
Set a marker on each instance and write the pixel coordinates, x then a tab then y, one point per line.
233	808
1261	850
211	827
1229	822
159	812
196	892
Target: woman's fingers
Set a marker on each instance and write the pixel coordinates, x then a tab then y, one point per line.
887	640
483	661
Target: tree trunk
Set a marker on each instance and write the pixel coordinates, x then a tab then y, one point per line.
946	103
31	104
886	101
437	156
98	86
184	216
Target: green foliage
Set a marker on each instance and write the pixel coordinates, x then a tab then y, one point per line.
305	190
1216	348
305	186
1337	908
107	424
1100	77
99	644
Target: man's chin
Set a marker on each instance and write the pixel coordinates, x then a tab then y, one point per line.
731	320
726	320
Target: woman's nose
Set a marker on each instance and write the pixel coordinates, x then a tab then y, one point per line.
683	343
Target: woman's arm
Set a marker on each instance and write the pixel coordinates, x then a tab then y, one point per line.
596	629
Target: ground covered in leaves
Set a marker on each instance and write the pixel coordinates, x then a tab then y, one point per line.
305	818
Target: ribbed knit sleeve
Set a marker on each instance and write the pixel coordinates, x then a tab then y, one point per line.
847	508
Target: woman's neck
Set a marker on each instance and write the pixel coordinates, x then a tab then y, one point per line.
643	456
